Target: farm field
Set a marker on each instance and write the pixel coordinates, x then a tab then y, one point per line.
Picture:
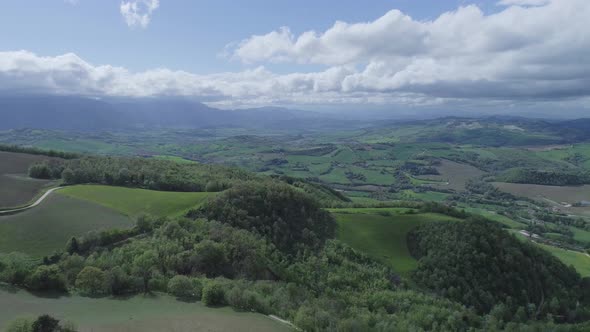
47	227
139	313
453	175
551	194
382	236
133	202
569	194
16	188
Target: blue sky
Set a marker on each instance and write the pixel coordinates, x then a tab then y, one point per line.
493	55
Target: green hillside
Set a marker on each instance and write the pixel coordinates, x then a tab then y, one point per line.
133	202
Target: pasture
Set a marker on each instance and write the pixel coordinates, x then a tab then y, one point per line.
133	202
145	313
47	227
382	233
16	188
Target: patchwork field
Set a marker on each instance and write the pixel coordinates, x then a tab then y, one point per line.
47	227
16	188
133	202
140	313
382	233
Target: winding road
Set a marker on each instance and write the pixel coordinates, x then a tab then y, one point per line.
37	202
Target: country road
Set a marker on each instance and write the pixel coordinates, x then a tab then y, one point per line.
37	202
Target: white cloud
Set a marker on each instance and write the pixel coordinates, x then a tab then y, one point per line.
138	13
520	55
71	2
523	2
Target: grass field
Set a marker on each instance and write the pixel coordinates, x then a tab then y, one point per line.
16	188
136	314
496	217
133	202
47	227
382	236
580	261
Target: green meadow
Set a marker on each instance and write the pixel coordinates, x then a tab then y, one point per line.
146	313
382	233
47	227
133	202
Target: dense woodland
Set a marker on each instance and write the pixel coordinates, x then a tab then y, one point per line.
480	265
550	178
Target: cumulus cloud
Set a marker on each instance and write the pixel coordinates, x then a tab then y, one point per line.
522	51
522	54
138	13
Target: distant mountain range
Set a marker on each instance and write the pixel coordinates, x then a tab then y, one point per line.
91	114
75	113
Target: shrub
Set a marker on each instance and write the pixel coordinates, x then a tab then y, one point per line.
91	281
46	278
181	287
20	325
213	294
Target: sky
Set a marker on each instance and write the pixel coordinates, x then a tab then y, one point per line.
388	55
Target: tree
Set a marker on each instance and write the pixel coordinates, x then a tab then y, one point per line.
143	267
40	171
181	287
46	323
91	281
118	281
209	258
68	176
73	247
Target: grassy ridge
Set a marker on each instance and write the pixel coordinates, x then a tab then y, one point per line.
47	227
133	202
382	236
